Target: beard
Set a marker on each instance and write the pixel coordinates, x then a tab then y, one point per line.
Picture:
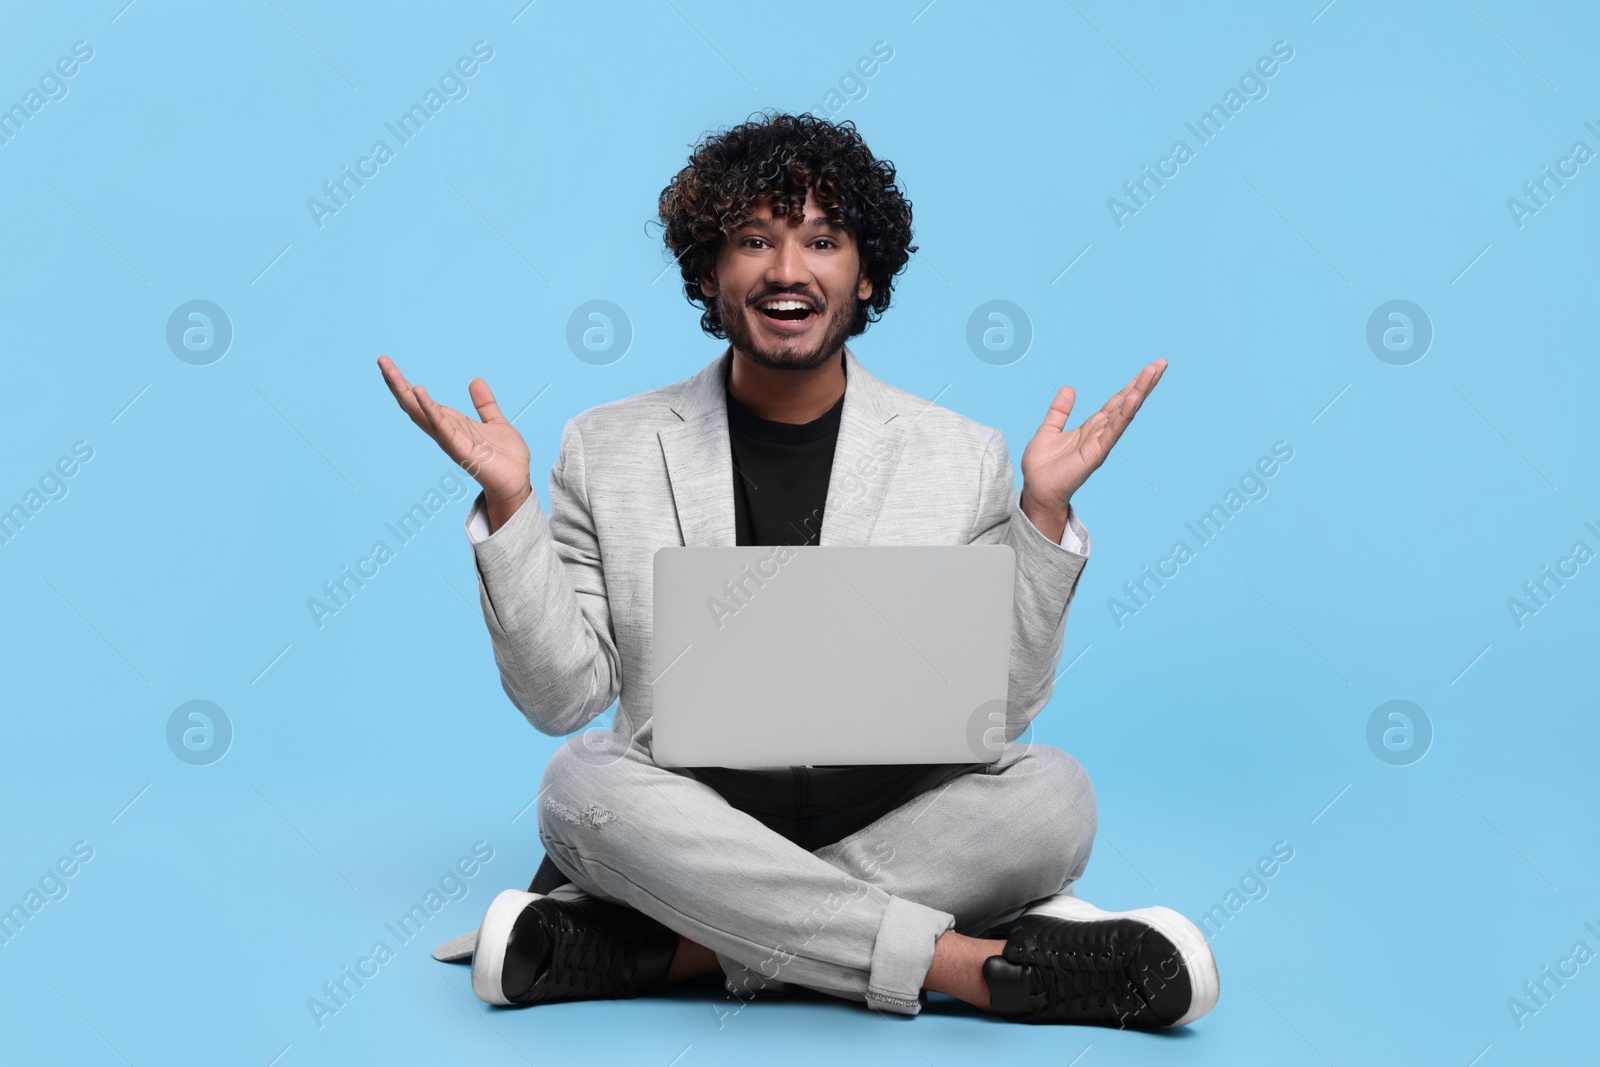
777	353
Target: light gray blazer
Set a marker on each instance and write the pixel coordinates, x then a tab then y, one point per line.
568	600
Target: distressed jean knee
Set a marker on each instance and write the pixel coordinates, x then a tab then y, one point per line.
577	783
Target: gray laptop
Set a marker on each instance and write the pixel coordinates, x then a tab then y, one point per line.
831	654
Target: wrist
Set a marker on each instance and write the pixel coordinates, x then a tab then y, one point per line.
1048	520
501	507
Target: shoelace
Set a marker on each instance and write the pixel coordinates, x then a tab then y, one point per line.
1084	978
583	960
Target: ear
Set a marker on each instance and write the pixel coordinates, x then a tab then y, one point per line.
864	288
708	283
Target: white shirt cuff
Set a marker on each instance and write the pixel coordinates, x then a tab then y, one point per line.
478	521
1069	537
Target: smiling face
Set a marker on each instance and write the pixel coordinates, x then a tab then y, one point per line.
787	290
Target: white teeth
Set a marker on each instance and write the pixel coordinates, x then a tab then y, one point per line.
786	305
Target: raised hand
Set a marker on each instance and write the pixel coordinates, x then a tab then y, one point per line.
491	451
1058	461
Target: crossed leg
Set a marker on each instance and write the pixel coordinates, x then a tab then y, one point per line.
869	918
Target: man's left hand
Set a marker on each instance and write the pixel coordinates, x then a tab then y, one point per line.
1057	460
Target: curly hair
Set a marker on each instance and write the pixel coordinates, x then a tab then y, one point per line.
783	157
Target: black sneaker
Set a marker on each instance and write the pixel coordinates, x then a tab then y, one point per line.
1067	961
532	949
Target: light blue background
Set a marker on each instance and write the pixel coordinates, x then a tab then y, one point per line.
1224	717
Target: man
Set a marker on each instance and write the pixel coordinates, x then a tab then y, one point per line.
869	883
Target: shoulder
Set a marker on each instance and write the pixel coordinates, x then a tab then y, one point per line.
627	416
931	426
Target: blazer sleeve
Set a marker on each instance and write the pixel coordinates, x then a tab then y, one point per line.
1047	577
543	595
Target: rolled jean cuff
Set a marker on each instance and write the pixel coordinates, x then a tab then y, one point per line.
902	954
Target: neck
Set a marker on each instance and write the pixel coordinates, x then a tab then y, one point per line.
796	396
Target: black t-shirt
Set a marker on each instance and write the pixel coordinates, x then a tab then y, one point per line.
780	475
780	485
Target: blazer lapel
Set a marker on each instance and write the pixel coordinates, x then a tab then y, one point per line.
864	458
700	463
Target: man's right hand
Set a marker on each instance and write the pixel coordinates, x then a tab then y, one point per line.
491	451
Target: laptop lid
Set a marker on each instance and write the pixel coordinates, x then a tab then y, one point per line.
778	656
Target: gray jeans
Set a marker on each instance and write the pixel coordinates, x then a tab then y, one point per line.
856	919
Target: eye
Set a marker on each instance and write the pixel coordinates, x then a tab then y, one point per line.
827	241
745	243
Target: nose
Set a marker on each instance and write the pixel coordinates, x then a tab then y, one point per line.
788	265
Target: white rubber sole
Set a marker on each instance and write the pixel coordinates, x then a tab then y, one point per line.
490	956
1204	983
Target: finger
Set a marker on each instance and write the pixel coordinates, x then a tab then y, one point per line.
439	423
392	377
1119	420
1094	440
483	400
1056	418
1131	397
401	389
1115	403
1114	416
1148	379
1101	431
1150	376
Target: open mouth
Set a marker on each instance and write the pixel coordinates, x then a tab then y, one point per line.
790	312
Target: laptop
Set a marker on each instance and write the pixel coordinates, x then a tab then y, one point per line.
770	657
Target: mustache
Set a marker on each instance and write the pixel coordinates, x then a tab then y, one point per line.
778	294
